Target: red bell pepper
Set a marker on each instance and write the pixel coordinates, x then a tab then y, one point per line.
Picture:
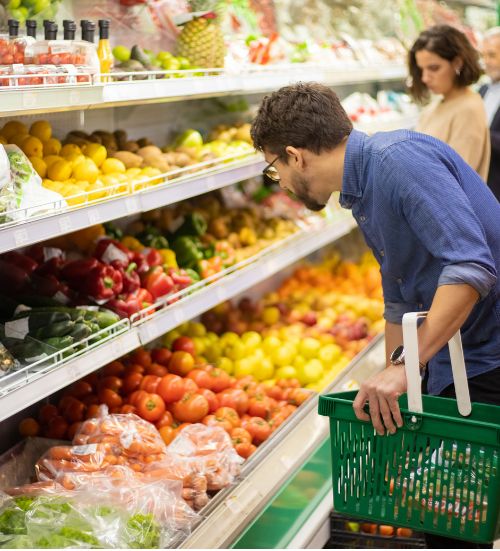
180	278
13	278
144	297
50	286
158	283
103	283
131	279
153	257
142	263
52	267
111	250
21	261
76	271
125	307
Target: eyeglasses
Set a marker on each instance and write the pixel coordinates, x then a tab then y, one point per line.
272	172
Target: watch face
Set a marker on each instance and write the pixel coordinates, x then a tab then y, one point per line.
396	355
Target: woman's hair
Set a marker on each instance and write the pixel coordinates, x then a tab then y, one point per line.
448	43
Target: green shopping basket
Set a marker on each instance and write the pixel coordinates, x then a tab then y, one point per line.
439	473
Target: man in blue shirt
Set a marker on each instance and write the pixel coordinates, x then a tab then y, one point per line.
431	222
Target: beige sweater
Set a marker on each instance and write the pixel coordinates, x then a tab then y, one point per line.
461	123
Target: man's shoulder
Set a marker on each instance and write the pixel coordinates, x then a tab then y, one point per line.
388	144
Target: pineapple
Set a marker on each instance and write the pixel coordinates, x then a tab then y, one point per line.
201	40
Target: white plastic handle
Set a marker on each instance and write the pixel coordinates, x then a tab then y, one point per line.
412	367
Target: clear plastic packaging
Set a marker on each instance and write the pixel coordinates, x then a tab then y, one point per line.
64	52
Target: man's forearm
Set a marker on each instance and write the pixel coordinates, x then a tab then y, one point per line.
450	308
393	338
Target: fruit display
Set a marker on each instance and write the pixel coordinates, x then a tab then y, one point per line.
387	106
31	9
136	60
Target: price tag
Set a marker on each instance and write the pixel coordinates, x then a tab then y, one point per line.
132	205
148	332
211	182
179	315
65	224
233	505
75	371
94	216
21	237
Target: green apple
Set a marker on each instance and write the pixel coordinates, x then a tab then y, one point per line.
251	339
162	56
309	347
286	372
189	138
311	372
13	4
263	369
244	367
184	63
329	354
212	337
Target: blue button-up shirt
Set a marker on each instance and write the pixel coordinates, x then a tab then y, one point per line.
430	220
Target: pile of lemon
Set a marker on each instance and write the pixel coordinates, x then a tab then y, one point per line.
79	174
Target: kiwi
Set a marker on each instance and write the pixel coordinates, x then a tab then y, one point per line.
144	142
133	147
121	138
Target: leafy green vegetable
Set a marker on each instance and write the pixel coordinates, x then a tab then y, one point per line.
24	502
143	532
12	521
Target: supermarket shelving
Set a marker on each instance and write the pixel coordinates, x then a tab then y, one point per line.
38	385
216	83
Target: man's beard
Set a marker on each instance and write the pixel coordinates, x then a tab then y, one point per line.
302	187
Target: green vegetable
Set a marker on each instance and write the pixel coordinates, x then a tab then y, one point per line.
80	331
113	231
38	320
59	342
24	502
195	276
143	532
59	329
152	237
194	224
13	521
79	535
188	250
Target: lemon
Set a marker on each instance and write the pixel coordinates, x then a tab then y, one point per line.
86	170
111	166
52	146
95	191
96	152
41	130
13	128
3	141
51	159
39	165
133	172
74	158
32	147
70	148
18	139
60	170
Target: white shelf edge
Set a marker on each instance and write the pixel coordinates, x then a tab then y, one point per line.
40	229
184	310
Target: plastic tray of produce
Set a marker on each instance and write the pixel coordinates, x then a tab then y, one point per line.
351	533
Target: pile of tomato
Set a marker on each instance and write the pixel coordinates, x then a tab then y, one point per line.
166	388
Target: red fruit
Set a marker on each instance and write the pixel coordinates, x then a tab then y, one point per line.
181	363
191	408
47	412
56	428
171	388
213	402
220	380
184	344
234	398
131	382
151	407
260	407
150	383
259	429
161	356
201	378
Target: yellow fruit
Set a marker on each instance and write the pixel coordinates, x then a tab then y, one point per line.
70	148
41	130
133	172
95	191
39	165
110	166
74	158
3	141
51	147
51	159
60	170
86	170
18	139
109	180
13	128
96	152
32	147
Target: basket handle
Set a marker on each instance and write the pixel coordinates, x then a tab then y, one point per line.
412	368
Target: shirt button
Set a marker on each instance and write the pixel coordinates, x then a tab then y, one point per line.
420	305
362	218
382	253
399	280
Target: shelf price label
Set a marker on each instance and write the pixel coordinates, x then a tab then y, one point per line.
132	205
94	216
21	237
65	224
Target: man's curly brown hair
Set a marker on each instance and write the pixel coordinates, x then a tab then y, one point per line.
305	115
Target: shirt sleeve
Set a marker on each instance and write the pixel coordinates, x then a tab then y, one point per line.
423	190
394	305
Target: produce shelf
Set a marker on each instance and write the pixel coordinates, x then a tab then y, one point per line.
69	219
43	383
155	88
234	510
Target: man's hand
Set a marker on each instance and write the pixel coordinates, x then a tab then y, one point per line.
382	391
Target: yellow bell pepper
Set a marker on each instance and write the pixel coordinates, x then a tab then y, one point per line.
132	243
169	258
85	239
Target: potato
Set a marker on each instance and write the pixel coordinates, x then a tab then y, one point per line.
150	150
130	160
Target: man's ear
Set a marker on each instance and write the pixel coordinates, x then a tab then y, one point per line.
295	157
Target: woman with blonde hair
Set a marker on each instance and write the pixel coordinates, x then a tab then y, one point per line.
443	62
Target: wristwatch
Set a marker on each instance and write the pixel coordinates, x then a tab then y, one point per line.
398	358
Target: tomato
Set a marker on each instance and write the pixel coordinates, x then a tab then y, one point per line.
110	398
184	344
73	429
150	383
259	429
151	407
131	382
92	411
161	356
298	396
165	420
277	420
288	383
80	389
213	401
190	408
213	421
171	388
260	407
200	377
234	398
47	412
115	368
230	414
134	368
189	385
141	357
245	449
404	533
56	428
29	427
275	392
167	433
74	411
91	379
181	363
240	436
369	528
135	396
180	427
112	382
220	380
385	530
65	401
128	408
156	369
90	400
